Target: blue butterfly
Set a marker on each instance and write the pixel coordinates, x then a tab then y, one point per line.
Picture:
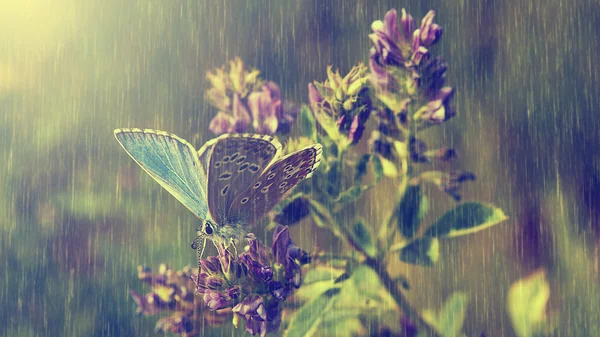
230	184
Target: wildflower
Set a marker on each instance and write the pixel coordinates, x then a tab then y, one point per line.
254	284
342	105
437	110
268	113
420	154
244	100
173	291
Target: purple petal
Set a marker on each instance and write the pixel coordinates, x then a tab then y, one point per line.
221	123
264	111
281	241
390	25
429	31
215	300
356	130
241	115
408	26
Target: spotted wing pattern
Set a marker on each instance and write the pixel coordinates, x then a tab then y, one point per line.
273	184
235	162
171	161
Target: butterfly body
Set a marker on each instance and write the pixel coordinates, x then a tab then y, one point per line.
231	183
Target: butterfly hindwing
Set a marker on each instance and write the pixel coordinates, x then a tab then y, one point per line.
273	184
235	162
172	162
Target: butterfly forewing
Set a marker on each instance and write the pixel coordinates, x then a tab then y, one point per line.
204	154
273	184
236	161
171	161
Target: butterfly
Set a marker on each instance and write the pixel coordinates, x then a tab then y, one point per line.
230	184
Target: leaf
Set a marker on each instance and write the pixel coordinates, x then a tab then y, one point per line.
323	217
362	237
423	252
465	219
308	127
452	316
408	213
308	318
377	168
527	301
351	194
333	179
361	168
318	280
388	168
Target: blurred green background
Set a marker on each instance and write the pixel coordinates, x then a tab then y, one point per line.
77	216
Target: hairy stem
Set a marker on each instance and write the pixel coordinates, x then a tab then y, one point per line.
399	297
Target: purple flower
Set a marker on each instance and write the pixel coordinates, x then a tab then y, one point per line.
289	255
420	154
437	110
342	106
408	25
173	291
210	265
387	40
215	300
266	107
429	33
248	284
245	101
261	318
449	182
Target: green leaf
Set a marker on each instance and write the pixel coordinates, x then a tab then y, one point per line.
318	280
351	194
408	212
361	168
527	301
308	123
362	237
423	252
323	217
377	168
465	219
308	318
333	178
452	316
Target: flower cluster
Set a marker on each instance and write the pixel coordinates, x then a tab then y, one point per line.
173	291
254	284
410	84
245	101
342	105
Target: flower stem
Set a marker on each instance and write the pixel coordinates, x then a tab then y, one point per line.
398	296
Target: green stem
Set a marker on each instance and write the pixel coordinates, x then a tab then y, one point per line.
399	298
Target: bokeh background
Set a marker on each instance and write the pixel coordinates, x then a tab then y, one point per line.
77	216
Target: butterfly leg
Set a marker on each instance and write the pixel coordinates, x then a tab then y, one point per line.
232	243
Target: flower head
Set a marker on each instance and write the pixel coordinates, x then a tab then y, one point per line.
173	292
245	101
254	284
342	104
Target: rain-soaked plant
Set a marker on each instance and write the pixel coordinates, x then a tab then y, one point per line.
349	291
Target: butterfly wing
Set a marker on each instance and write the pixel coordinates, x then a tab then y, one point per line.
274	183
171	161
204	154
235	162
